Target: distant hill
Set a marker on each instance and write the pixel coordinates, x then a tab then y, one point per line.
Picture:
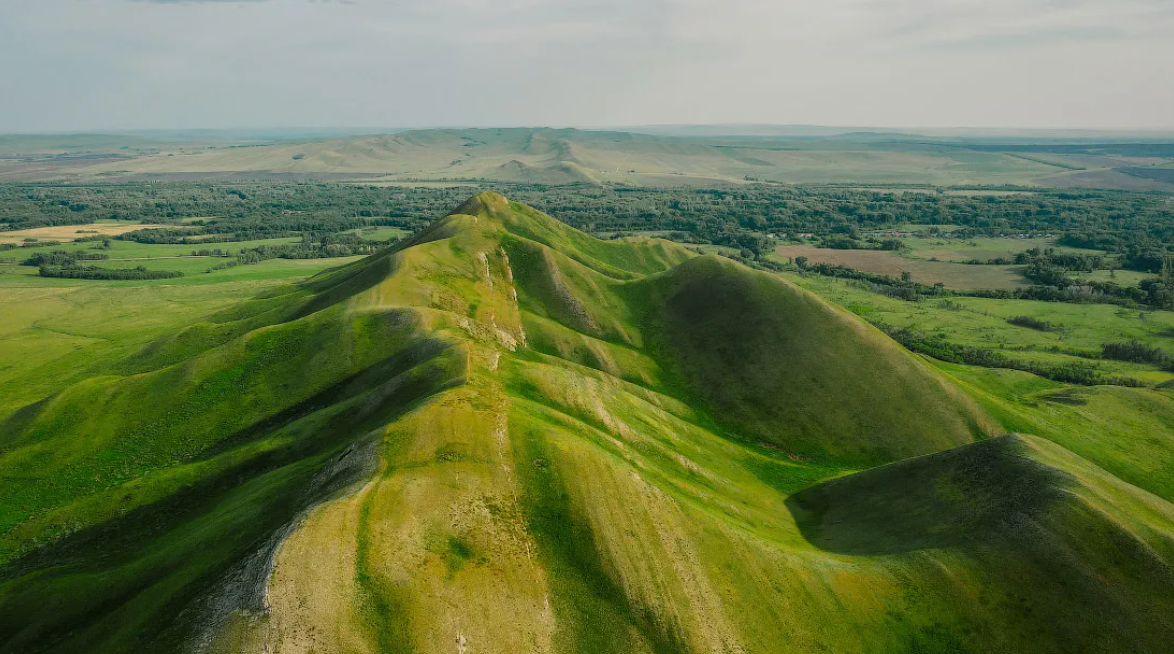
685	157
505	435
820	131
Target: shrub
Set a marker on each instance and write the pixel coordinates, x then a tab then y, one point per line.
1135	352
91	272
1032	323
62	258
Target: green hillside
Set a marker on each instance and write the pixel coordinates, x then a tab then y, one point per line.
779	364
1052	539
505	435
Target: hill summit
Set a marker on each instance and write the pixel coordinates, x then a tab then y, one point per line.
505	435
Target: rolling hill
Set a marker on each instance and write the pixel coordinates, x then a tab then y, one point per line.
572	156
505	435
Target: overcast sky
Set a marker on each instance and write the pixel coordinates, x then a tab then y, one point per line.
134	64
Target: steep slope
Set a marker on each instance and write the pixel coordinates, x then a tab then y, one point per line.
779	364
504	435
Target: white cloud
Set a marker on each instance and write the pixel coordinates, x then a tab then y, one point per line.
78	64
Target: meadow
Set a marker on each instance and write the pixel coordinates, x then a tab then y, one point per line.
980	248
128	254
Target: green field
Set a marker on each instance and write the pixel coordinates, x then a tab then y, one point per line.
933	259
503	434
1123	277
54	331
130	254
1081	329
982	249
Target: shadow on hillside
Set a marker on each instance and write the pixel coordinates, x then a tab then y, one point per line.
167	562
965	496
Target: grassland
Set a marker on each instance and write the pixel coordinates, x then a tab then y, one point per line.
1079	330
505	435
55	331
130	254
1122	277
982	249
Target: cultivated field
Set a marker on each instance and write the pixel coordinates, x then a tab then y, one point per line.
64	233
953	275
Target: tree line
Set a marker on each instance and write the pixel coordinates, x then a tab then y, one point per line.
1136	226
94	272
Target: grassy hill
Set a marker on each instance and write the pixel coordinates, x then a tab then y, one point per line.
1052	538
504	435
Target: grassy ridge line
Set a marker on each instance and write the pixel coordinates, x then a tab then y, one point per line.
253	357
923	633
928	611
52	337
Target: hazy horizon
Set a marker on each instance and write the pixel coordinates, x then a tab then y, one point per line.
666	129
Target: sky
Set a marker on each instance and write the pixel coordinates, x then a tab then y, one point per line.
68	65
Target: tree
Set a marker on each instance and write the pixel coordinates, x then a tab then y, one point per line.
1161	290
